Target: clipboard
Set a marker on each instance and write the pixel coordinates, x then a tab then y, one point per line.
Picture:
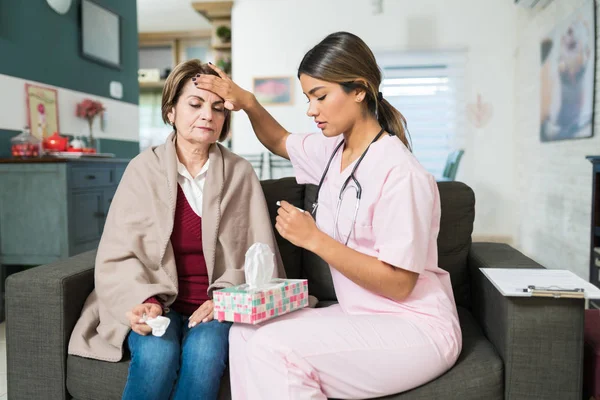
540	282
555	292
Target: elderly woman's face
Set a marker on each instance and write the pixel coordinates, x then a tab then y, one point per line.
198	115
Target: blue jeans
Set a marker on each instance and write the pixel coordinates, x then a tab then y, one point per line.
184	363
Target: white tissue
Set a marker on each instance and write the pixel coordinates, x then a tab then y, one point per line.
159	324
259	265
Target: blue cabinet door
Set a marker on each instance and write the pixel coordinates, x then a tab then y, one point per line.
86	218
33	220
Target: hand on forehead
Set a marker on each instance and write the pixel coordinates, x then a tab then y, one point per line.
190	89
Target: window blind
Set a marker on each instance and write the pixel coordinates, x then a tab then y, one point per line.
428	89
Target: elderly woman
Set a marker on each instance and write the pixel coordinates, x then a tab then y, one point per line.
178	228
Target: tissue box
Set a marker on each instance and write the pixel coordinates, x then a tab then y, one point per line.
253	306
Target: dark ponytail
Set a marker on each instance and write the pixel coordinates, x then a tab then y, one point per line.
392	121
346	59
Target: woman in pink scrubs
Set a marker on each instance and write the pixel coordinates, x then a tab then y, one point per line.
377	221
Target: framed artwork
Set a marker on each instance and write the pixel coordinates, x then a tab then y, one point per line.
42	110
100	34
274	90
568	58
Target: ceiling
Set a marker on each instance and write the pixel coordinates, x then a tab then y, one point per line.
169	15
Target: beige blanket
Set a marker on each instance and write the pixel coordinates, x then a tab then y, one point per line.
135	258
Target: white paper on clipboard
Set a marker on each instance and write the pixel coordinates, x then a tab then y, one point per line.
511	281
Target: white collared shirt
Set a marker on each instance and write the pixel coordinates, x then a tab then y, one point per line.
193	188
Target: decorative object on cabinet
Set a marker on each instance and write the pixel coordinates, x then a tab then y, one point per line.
25	145
273	90
89	109
55	143
100	34
76	145
567	77
42	110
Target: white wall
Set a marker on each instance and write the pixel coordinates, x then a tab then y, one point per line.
553	179
121	118
270	38
169	15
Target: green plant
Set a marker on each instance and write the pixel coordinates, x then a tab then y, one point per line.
225	65
224	33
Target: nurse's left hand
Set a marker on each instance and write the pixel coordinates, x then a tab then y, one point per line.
296	226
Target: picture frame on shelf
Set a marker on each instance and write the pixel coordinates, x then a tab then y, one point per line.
274	90
100	34
42	110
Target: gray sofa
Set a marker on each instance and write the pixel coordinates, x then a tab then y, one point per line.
512	348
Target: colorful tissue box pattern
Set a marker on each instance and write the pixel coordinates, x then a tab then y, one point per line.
252	306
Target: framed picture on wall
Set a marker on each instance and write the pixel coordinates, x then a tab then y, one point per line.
42	110
100	34
568	67
274	90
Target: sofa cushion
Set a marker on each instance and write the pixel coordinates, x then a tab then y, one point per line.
89	379
285	189
320	283
478	373
454	239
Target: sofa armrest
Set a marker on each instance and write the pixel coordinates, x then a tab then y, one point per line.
42	306
540	340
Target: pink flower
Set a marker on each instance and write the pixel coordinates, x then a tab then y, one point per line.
41	109
88	109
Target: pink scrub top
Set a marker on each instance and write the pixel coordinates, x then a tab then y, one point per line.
398	222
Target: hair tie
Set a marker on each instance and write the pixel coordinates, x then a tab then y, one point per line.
379	96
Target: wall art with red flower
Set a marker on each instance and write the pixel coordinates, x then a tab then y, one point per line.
42	110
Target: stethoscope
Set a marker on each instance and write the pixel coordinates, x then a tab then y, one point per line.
345	186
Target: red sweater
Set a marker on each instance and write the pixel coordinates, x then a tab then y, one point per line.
192	274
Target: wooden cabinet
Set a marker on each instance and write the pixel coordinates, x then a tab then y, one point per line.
595	227
54	209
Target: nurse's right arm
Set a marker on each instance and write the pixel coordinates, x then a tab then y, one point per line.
270	133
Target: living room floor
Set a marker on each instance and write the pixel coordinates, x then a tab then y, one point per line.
3	395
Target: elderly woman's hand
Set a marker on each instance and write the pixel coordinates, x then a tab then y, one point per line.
204	313
136	316
235	97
